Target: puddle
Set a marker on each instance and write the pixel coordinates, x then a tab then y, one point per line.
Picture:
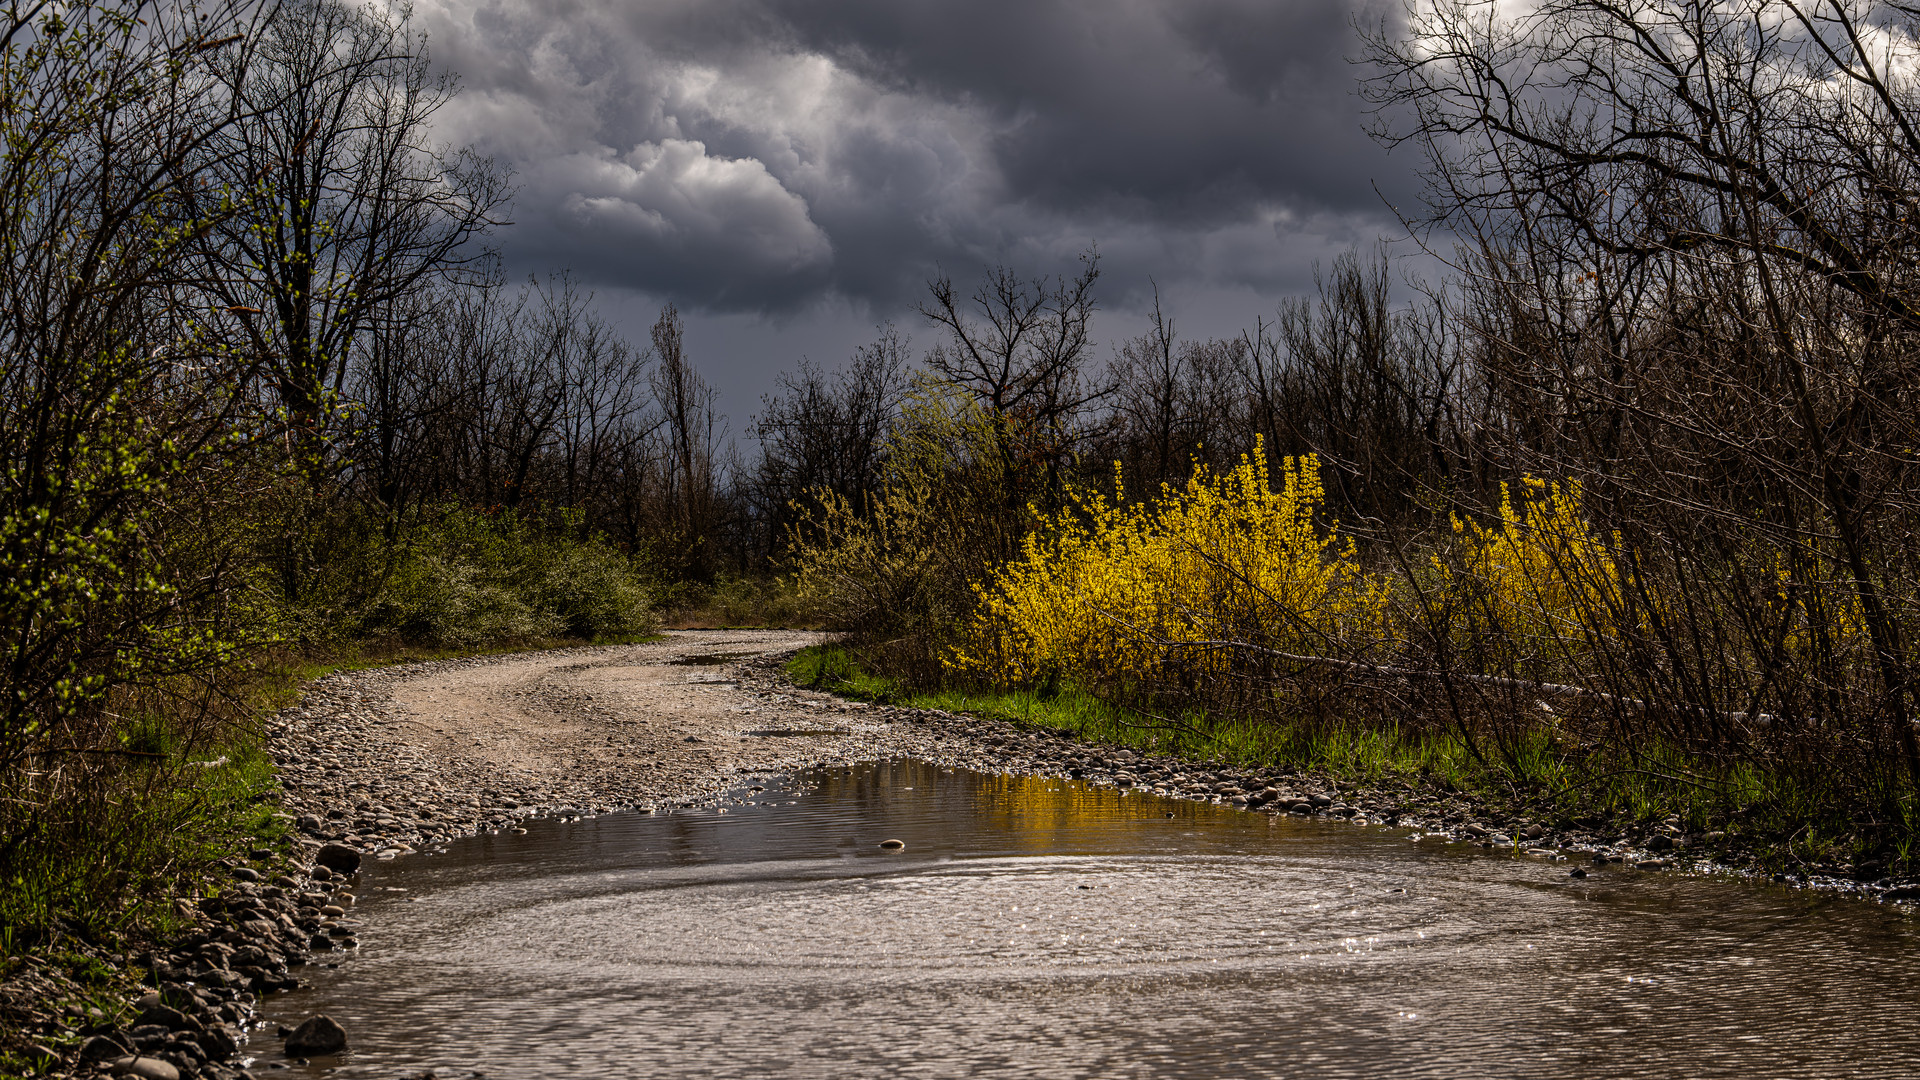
710	659
1038	927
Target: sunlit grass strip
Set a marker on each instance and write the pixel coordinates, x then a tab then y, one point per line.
1788	817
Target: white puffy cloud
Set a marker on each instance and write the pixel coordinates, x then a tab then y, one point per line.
671	199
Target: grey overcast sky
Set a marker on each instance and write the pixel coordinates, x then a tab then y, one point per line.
791	172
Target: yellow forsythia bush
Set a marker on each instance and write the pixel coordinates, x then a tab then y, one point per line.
1100	589
1539	580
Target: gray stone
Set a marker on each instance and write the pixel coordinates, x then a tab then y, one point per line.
185	1054
317	1037
145	1067
338	858
160	1015
217	1042
101	1048
246	873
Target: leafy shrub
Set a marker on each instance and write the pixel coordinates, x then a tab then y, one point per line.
898	571
469	578
773	601
1538	583
590	589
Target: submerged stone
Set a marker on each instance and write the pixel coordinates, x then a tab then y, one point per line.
317	1037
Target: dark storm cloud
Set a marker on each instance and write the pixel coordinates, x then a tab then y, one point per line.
1181	111
757	155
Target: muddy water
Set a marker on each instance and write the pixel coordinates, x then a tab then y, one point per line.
1038	928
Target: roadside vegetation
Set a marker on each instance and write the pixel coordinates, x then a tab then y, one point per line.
267	407
1617	517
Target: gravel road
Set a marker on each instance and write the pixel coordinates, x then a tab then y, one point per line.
393	759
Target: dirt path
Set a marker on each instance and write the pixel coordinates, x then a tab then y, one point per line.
395	759
628	724
405	759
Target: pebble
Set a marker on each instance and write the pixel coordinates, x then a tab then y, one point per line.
338	858
893	845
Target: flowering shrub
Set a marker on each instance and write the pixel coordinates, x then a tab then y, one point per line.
1103	590
1539	581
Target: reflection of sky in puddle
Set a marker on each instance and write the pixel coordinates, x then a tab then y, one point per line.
1041	927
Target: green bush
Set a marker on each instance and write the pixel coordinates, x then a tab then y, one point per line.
466	578
738	601
591	590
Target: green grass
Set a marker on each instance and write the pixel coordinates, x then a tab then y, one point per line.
736	603
108	861
1789	819
1351	750
111	860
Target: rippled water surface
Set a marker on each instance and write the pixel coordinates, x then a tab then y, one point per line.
1040	928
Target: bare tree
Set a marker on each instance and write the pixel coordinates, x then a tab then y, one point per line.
690	497
126	433
1175	403
1023	356
827	432
1024	353
345	206
1369	385
1690	281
